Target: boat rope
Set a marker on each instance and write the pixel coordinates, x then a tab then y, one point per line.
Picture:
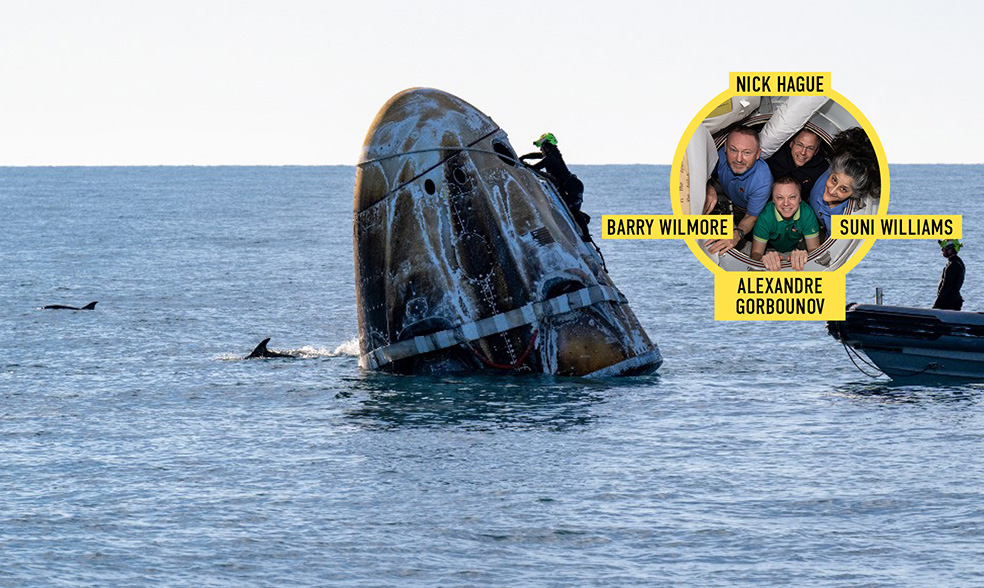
516	364
852	353
919	373
529	314
598	250
504	156
452	148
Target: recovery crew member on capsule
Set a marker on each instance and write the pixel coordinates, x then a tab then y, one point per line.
571	189
948	292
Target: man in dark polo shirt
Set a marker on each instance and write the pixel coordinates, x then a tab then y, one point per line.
801	157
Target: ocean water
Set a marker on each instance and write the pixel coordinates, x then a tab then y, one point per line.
137	449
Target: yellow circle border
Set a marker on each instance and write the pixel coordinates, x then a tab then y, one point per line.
849	106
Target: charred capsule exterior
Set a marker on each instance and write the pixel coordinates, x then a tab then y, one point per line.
466	259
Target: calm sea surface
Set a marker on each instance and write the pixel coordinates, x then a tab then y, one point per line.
137	449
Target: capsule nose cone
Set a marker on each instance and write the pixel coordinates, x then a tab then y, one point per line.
423	116
417	121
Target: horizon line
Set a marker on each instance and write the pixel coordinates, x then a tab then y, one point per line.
107	165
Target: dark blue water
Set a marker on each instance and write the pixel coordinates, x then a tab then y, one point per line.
137	449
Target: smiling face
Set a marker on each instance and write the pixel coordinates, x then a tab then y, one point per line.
787	198
839	188
804	146
742	152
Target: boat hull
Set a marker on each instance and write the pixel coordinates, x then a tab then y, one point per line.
909	342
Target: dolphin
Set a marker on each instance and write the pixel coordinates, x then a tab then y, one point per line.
261	351
90	306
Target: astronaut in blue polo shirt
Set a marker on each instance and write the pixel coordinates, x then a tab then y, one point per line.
746	181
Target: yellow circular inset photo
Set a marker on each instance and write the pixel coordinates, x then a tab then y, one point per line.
780	167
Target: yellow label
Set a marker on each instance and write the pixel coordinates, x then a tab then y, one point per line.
789	83
666	226
897	226
779	296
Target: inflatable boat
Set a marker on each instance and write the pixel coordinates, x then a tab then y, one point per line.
908	342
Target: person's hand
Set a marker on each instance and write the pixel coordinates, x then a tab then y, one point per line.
772	261
798	259
710	199
723	245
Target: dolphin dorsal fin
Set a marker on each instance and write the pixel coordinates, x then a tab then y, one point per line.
260	350
90	306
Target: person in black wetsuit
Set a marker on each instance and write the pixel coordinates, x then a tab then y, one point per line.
571	189
948	293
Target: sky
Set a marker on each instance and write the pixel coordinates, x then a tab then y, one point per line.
298	82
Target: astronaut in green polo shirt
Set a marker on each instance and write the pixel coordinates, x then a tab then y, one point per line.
785	222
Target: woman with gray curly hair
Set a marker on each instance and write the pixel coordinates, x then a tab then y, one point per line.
853	175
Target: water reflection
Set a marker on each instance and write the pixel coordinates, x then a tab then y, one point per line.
480	401
912	391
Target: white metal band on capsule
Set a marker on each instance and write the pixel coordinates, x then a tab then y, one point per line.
493	325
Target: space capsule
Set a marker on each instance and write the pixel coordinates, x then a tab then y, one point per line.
466	259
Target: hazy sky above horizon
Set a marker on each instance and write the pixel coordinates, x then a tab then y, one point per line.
117	82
